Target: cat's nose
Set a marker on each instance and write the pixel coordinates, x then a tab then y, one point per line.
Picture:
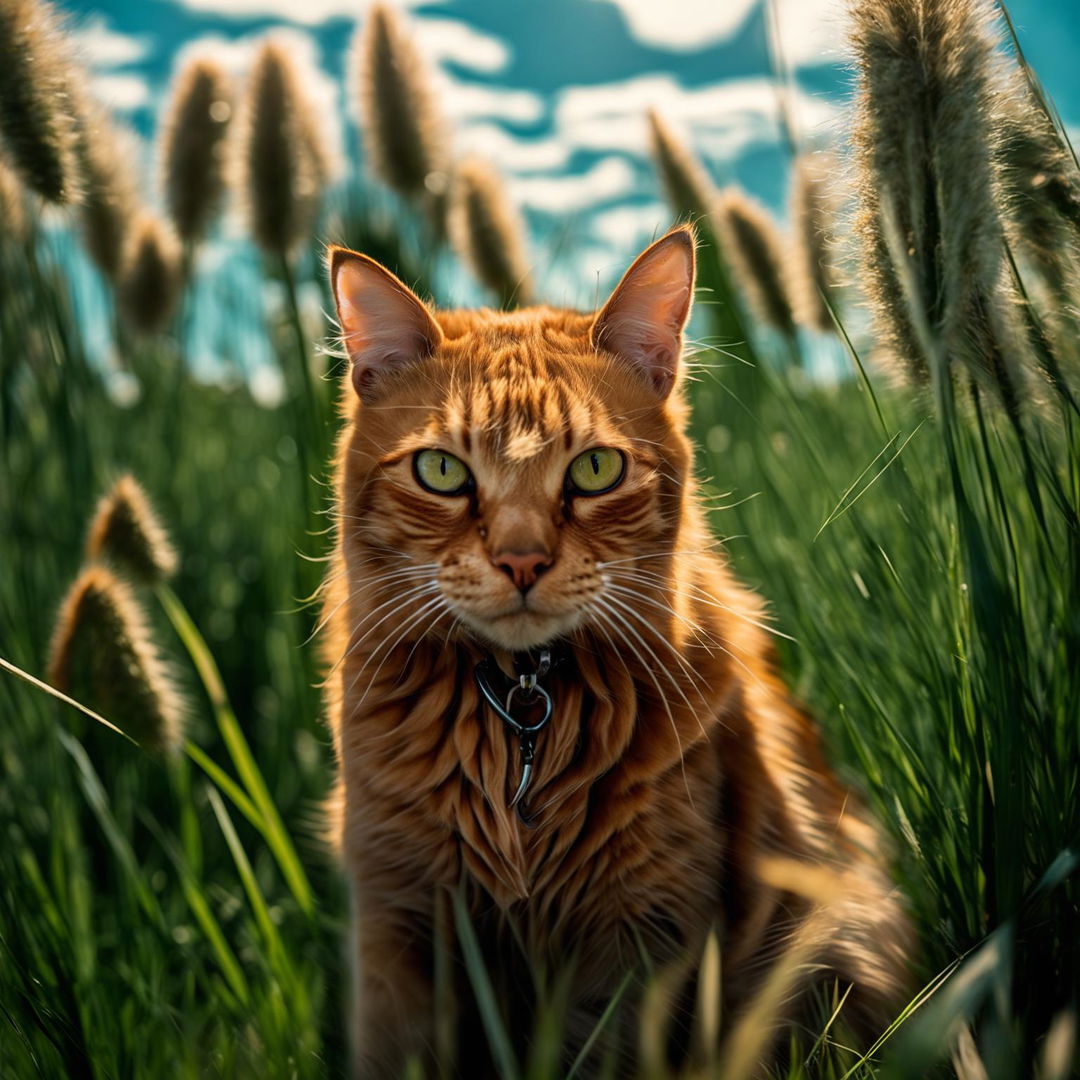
523	567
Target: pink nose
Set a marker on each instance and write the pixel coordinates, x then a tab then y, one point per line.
523	568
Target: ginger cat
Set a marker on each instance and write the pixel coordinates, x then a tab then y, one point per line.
515	491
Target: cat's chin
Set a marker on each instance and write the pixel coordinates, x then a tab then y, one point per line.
523	630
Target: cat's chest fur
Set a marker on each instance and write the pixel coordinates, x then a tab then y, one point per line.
623	804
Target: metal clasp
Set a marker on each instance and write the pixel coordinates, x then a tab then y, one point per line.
528	689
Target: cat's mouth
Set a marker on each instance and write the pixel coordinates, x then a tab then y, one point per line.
522	627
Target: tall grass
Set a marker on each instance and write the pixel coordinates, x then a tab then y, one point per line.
918	541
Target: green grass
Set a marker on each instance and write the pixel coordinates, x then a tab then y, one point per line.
183	917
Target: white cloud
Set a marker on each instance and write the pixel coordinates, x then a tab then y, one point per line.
689	24
510	153
464	101
811	32
305	12
608	179
442	40
729	117
104	47
121	91
625	229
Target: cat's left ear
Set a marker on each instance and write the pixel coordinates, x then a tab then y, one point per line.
644	318
384	324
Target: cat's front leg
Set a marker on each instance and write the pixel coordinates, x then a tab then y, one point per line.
393	995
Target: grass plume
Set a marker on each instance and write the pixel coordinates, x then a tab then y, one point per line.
191	149
150	279
37	126
754	250
488	233
813	274
15	225
404	133
126	533
284	162
1041	187
929	220
102	653
689	190
108	158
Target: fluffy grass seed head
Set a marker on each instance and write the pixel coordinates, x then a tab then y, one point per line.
126	533
102	653
1041	186
191	148
689	190
283	161
404	133
929	220
812	266
14	225
151	277
754	250
108	157
488	233
37	124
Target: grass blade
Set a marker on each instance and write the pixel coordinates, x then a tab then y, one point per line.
272	827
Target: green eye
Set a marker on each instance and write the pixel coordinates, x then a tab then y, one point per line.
441	472
596	471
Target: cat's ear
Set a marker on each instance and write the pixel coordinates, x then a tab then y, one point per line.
384	324
644	318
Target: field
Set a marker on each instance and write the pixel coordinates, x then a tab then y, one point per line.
913	523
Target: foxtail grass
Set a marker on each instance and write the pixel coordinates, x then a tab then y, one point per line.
689	190
102	652
754	250
488	233
108	158
15	227
151	280
813	281
930	217
404	134
126	533
1041	187
37	120
282	162
191	146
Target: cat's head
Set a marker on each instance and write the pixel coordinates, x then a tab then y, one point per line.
516	465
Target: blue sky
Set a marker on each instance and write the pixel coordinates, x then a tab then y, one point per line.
554	91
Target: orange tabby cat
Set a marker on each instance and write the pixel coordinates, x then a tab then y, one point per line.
515	493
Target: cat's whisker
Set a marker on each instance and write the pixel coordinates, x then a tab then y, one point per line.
666	587
411	594
691	674
602	611
700	594
442	607
704	639
667	609
413	620
416	644
653	555
696	682
401	576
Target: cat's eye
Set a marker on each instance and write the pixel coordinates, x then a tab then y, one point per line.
596	471
442	473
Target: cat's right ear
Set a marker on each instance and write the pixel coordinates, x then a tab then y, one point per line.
384	324
644	318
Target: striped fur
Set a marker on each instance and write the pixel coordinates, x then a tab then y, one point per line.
675	760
